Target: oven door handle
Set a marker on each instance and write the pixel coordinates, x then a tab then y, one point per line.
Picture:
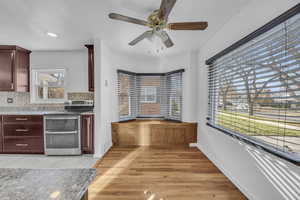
61	118
61	132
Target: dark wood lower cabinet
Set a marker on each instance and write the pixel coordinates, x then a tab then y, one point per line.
1	135
87	134
23	145
22	130
22	134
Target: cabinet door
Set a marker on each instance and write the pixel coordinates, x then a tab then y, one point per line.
91	71
87	134
91	66
1	135
23	145
22	71
6	70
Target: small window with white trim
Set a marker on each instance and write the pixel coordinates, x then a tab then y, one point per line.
48	86
148	94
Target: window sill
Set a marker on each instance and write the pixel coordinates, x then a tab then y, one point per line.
295	159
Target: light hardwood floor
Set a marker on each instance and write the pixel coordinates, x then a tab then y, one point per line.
156	173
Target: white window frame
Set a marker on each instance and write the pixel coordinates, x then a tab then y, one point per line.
145	92
33	86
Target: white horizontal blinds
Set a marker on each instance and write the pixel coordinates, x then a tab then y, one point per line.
150	95
255	89
174	96
151	92
127	96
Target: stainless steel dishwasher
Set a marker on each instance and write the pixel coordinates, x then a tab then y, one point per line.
62	134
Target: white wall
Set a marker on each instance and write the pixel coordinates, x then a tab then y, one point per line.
189	62
75	62
259	175
107	62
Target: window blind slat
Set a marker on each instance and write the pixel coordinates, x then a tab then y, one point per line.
254	90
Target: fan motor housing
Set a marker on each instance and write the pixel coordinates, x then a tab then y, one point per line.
155	22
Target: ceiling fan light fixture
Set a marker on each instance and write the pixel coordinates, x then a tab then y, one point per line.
157	44
158	24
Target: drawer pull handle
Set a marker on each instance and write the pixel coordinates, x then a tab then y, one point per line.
21	119
21	145
22	130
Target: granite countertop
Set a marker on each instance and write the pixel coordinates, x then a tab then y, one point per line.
39	112
44	184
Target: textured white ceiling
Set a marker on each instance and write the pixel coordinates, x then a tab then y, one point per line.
26	22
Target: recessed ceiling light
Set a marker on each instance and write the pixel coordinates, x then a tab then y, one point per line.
52	34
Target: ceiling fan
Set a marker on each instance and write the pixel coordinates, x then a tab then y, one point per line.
158	22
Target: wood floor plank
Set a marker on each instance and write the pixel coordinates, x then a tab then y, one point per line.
158	173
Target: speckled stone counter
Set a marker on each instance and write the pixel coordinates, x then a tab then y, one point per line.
44	184
41	113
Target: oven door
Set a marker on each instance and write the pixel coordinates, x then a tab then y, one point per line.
62	135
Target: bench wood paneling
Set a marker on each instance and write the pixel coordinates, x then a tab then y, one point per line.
153	133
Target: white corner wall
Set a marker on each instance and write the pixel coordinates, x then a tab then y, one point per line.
189	62
107	62
259	175
75	62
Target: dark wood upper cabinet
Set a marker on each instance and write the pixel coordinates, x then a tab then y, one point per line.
6	70
87	134
14	68
91	66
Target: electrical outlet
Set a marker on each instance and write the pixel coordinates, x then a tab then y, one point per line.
9	100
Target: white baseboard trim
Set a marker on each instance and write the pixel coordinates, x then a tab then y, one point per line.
100	156
227	174
108	148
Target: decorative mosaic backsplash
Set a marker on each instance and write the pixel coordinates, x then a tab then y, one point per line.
81	96
21	100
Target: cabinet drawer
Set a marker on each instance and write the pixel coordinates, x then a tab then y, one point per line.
23	129
22	119
23	145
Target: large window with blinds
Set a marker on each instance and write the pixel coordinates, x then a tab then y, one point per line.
150	95
254	90
150	91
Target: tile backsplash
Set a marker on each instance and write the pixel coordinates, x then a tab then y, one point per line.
81	96
18	98
22	99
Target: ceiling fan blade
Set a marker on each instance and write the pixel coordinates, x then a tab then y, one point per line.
165	38
188	26
145	35
127	19
166	8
